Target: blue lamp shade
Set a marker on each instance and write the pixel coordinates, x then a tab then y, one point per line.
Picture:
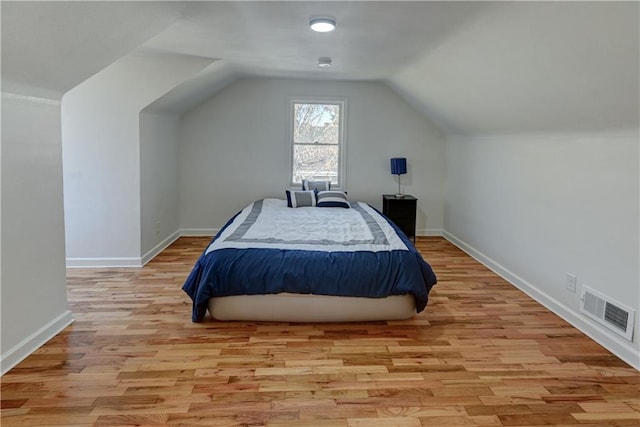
398	166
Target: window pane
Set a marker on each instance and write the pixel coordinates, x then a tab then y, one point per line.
316	123
318	162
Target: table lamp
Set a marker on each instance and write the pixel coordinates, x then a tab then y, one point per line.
399	167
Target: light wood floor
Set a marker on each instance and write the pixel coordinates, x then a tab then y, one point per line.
481	354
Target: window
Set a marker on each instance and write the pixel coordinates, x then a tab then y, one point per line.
317	135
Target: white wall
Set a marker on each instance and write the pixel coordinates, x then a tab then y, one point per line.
535	207
159	135
531	66
101	155
34	297
235	148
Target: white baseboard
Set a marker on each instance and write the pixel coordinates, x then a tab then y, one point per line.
198	232
151	253
103	262
429	232
24	348
623	350
138	262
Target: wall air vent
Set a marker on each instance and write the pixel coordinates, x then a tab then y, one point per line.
613	315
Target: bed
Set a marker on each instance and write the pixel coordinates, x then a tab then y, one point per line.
311	264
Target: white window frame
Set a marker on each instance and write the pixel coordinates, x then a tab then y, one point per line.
342	139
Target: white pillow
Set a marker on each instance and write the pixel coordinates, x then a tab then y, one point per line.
298	199
316	185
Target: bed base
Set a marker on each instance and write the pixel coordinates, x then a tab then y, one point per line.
287	307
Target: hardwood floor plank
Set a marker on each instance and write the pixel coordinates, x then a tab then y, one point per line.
384	422
481	354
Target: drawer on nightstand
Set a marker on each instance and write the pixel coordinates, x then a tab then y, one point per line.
405	225
401	215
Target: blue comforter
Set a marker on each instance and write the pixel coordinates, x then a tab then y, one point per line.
244	259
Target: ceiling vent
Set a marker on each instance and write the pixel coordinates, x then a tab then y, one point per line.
607	312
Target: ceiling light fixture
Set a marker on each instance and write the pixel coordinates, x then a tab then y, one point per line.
322	25
324	62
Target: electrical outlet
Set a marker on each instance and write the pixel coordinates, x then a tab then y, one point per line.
572	282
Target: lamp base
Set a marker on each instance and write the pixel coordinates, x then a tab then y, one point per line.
399	196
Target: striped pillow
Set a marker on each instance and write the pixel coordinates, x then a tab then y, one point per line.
332	199
298	199
316	185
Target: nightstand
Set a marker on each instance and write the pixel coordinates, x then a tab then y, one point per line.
402	211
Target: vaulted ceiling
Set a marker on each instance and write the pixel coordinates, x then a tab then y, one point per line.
471	67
